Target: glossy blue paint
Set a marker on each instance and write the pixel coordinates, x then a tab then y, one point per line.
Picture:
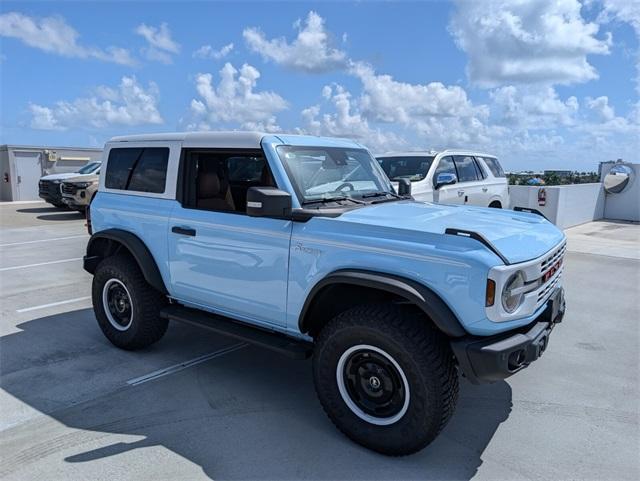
146	217
235	264
518	236
261	270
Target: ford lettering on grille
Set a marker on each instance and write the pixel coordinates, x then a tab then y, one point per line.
549	274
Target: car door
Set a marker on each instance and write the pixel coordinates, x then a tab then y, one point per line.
470	180
220	258
495	182
447	194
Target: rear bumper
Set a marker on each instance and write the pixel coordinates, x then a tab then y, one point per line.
490	359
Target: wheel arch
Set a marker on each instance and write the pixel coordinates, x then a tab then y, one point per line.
334	291
111	241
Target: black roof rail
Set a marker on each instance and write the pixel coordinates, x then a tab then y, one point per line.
479	237
530	211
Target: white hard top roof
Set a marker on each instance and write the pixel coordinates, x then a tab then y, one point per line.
211	139
232	139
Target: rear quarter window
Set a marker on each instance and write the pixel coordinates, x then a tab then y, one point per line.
494	166
137	169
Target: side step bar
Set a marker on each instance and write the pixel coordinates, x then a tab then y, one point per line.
290	347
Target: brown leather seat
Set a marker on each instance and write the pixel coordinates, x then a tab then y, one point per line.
212	195
266	179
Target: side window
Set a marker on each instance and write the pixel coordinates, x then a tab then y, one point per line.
220	181
137	169
119	167
465	165
479	169
494	166
445	166
150	173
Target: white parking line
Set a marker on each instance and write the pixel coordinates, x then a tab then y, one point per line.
43	240
184	365
40	264
59	303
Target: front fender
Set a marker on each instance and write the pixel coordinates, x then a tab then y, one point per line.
414	292
109	241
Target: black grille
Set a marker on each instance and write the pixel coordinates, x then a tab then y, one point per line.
70	189
48	187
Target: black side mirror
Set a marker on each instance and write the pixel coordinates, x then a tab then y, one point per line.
404	187
445	179
268	202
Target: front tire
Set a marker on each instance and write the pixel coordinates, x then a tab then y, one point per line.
126	306
385	377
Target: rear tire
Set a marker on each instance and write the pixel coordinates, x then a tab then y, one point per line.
126	306
495	204
385	377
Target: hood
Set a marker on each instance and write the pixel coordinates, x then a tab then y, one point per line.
66	175
518	236
82	178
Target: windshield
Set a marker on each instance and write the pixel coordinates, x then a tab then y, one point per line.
333	173
414	168
87	169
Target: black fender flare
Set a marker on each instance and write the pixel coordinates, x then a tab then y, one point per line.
135	246
418	294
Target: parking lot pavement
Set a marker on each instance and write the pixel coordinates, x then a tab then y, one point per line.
199	406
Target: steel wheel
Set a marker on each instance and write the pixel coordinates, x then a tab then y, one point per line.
117	304
373	385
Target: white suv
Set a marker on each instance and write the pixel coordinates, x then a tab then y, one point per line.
450	176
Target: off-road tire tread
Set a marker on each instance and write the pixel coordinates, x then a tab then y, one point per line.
412	332
149	326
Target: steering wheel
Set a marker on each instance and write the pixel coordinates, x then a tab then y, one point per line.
342	186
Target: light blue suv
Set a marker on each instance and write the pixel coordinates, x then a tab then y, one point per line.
300	244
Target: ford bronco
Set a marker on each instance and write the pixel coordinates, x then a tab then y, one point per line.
300	244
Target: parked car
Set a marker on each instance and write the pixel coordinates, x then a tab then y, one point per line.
49	185
77	192
450	176
300	244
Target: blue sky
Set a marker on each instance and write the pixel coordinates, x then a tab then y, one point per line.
542	83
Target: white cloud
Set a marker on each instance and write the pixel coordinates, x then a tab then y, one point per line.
207	51
601	106
532	107
54	35
388	100
310	51
234	101
523	41
128	104
161	46
346	121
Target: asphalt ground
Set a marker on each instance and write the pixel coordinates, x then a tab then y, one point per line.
200	406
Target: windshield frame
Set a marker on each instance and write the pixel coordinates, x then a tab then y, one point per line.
384	187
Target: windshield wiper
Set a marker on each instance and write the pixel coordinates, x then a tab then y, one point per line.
380	194
327	199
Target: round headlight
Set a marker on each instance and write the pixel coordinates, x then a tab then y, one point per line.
510	300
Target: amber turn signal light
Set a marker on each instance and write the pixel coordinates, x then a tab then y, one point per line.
491	292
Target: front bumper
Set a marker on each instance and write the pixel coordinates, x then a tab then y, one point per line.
79	201
490	359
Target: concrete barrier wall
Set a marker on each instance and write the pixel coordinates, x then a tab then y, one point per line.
566	205
626	204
